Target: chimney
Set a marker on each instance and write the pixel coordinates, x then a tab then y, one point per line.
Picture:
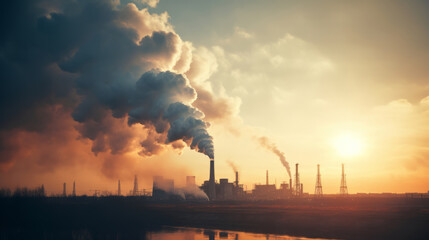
136	186
74	189
119	187
290	184
302	189
236	178
64	190
212	184
297	182
267	182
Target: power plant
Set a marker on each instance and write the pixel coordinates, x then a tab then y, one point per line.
224	189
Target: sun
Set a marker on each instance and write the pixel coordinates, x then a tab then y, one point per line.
348	144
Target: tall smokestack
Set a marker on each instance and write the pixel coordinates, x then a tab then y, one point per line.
290	185
212	184
119	187
267	182
74	189
236	178
64	190
297	183
136	186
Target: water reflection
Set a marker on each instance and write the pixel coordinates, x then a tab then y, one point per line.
201	234
162	233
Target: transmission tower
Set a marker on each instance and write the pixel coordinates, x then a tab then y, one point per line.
318	192
136	186
343	187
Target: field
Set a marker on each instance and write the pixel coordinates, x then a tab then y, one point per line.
342	218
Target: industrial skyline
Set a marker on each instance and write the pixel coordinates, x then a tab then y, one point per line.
139	92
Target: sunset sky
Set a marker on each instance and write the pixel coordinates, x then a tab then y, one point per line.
90	91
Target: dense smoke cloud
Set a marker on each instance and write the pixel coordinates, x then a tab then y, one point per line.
112	71
265	142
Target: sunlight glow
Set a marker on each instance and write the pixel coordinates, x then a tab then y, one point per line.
348	144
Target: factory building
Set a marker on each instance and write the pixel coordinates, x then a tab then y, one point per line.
224	189
162	188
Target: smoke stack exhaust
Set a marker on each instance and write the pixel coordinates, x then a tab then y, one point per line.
212	185
297	183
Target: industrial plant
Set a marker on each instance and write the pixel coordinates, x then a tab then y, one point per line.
226	189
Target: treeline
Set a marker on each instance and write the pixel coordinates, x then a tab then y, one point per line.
23	192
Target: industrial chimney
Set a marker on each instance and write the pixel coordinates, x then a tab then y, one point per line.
297	182
64	190
267	182
136	186
236	178
74	189
119	187
212	184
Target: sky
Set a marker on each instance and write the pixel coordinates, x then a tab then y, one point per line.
96	91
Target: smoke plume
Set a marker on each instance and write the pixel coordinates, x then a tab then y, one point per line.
232	165
266	143
94	84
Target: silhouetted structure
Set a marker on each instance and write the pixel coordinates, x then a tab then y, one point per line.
64	190
224	189
212	185
343	186
136	186
298	190
318	192
190	181
162	188
74	189
267	179
119	187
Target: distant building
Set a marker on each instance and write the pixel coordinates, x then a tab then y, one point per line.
190	181
162	188
265	192
224	189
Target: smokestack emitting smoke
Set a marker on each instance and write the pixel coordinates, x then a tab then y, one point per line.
265	142
212	184
129	65
232	165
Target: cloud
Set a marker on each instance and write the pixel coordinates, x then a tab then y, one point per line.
242	33
402	128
